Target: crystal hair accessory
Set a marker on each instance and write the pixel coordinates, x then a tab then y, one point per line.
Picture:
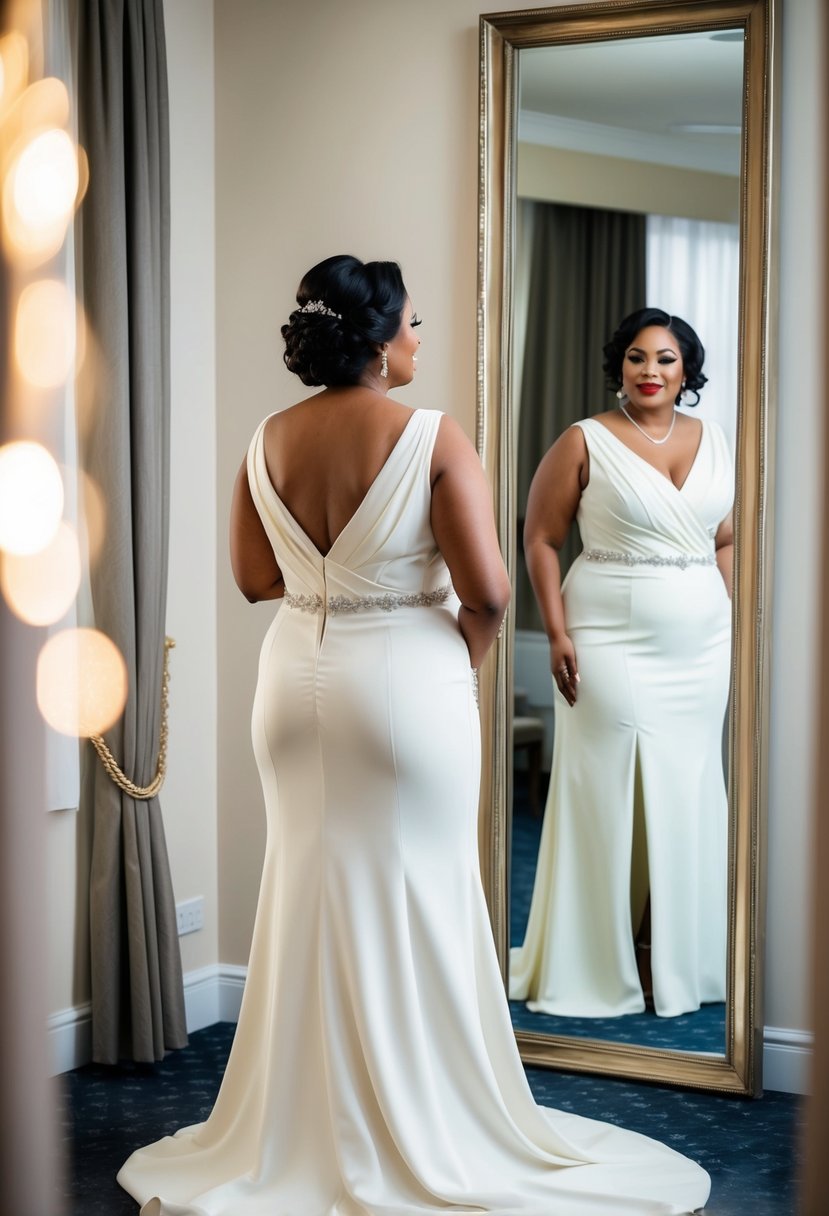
322	309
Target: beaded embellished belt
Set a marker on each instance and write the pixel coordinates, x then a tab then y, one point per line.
337	604
681	560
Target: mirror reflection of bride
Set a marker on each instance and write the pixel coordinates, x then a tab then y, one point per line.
640	637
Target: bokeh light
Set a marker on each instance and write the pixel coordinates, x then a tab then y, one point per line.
45	103
93	515
45	329
41	587
31	497
81	682
39	194
83	174
14	67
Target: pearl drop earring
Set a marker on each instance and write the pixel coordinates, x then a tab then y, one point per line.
384	364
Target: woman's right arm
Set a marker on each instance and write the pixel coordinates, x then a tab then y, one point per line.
464	529
254	566
551	508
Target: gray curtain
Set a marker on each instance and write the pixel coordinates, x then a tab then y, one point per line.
587	272
137	994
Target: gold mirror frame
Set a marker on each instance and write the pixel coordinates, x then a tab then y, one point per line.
502	35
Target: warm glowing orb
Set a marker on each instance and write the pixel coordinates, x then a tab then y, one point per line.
14	64
94	516
45	333
41	587
31	497
81	682
39	193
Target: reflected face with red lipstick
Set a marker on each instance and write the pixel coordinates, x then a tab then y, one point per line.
652	369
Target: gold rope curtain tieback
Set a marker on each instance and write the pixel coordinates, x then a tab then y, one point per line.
142	793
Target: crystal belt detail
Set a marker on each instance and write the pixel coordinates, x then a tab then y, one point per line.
681	560
337	604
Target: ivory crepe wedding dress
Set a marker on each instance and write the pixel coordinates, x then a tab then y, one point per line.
374	1070
650	619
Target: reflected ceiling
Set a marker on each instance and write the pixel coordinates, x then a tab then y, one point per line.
642	98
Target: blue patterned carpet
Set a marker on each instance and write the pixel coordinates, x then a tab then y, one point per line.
749	1148
702	1031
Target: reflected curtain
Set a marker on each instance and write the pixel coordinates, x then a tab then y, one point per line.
586	272
694	273
137	994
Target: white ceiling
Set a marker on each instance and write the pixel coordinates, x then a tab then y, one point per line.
628	97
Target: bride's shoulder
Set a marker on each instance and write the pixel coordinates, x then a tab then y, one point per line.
586	428
609	419
569	448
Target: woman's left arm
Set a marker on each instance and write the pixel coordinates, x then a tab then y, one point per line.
257	575
724	551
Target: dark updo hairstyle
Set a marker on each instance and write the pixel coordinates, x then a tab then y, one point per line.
368	298
693	352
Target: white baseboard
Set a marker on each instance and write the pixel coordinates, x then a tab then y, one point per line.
214	994
70	1037
211	994
231	986
787	1059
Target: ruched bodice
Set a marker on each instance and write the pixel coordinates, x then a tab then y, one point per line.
628	506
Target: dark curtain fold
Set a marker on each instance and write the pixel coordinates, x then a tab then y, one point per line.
587	272
137	993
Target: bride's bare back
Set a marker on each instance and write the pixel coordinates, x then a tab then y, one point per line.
323	454
322	457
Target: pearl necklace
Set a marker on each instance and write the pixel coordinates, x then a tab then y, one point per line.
650	438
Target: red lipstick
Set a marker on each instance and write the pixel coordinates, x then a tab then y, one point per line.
650	389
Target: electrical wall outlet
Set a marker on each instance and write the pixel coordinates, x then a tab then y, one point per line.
190	915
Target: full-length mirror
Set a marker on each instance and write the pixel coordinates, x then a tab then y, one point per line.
626	167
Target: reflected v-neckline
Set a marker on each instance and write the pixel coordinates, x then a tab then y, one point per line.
658	472
293	519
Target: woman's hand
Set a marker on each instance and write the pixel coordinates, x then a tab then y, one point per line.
564	667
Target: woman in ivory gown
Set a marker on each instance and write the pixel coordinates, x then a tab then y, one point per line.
374	1070
640	654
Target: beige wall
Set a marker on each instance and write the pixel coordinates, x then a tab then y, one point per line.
189	798
352	127
559	175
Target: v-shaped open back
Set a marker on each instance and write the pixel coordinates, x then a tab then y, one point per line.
387	545
386	469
